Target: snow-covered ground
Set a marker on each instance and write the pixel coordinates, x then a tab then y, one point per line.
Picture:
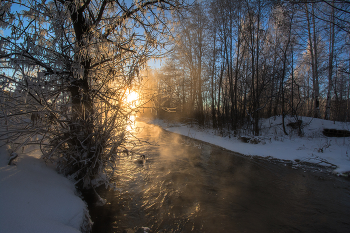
35	198
312	147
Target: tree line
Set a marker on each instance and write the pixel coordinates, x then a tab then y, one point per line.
234	62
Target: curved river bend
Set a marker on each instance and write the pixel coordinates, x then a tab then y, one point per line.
189	186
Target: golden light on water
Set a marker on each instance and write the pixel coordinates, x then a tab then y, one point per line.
131	123
132	99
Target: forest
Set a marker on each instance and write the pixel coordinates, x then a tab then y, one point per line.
231	63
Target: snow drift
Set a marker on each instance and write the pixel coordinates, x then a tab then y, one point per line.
35	198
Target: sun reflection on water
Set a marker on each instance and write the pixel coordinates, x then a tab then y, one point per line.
131	122
132	102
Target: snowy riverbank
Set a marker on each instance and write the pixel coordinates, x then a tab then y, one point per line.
35	198
313	147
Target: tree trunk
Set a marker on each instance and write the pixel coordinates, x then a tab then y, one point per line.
313	54
235	115
330	65
316	83
257	91
213	112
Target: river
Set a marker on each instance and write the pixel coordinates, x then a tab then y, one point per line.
185	185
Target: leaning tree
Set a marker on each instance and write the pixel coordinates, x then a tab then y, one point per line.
66	66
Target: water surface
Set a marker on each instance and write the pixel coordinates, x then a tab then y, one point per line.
189	186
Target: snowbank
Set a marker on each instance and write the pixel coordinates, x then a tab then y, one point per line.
313	147
34	198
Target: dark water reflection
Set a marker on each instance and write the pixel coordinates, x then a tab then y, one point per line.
189	186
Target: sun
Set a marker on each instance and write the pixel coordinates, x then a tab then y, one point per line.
132	97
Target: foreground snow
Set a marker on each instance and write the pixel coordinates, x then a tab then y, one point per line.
313	147
34	198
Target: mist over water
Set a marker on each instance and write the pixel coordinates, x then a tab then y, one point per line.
188	186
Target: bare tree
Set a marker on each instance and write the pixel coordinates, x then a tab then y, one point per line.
71	62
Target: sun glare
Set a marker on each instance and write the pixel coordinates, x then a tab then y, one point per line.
132	97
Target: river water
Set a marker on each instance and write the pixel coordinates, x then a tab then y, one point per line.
188	186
